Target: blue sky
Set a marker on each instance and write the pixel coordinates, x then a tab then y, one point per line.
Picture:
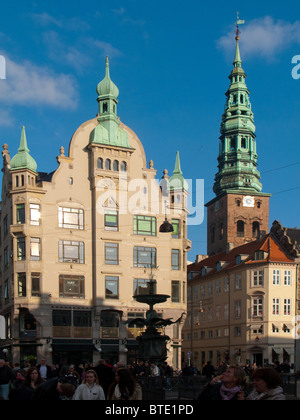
171	61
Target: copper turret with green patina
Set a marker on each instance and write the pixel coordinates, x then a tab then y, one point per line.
237	149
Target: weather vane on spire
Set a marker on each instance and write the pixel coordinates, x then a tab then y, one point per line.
238	22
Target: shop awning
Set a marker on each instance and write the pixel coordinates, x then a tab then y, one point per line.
72	346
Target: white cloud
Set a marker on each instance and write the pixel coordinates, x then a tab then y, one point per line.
6	119
106	48
264	36
30	85
44	19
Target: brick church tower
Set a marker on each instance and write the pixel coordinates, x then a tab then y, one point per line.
240	211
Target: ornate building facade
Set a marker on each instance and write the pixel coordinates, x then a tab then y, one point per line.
77	244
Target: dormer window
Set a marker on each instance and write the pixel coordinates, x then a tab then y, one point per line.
238	260
219	266
203	271
259	255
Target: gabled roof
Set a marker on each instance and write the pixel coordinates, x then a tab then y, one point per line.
271	251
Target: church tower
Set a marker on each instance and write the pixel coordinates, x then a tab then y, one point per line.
240	209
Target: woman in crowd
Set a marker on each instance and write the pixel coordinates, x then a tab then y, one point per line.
26	390
90	388
228	386
125	387
267	385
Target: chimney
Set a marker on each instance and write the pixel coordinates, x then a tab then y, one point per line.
229	247
200	257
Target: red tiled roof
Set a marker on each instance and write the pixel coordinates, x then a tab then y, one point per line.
274	253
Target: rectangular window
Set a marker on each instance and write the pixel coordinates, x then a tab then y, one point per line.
276	277
71	251
175	257
111	287
21	284
144	257
144	225
5	225
287	307
6	290
35	214
111	253
35	284
35	249
238	282
142	287
226	311
111	220
237	309
258	306
176	228
287	277
82	319
71	286
21	249
6	257
20	214
276	306
258	278
175	294
70	218
61	318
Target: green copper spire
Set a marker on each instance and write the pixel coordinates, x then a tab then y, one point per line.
177	181
108	131
237	152
23	160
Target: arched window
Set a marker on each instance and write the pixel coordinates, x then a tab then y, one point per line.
123	166
108	164
255	229
240	228
243	143
105	107
116	165
100	163
212	234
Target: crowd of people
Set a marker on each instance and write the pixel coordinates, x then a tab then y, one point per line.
119	382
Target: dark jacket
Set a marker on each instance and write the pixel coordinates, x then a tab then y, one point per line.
47	391
49	371
6	375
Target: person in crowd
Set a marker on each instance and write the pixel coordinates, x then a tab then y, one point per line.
105	375
228	386
90	388
52	390
45	370
25	391
73	376
125	387
267	384
208	370
6	376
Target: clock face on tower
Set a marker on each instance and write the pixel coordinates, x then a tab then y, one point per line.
248	201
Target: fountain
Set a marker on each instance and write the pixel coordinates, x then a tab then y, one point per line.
152	345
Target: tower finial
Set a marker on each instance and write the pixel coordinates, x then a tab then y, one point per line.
238	22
